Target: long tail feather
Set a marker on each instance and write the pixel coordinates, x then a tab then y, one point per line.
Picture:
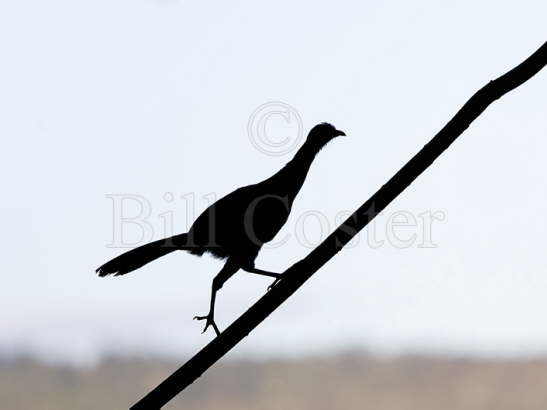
138	257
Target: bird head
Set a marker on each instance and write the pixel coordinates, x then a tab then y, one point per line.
323	133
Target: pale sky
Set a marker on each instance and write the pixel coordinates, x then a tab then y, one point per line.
142	97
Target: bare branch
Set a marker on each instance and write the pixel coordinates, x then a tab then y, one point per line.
297	274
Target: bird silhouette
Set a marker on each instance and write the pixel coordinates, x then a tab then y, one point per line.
236	226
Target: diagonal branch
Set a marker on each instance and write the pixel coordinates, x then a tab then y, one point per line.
297	274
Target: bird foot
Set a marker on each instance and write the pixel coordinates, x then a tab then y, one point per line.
274	282
210	321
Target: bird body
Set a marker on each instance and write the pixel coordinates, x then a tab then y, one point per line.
237	225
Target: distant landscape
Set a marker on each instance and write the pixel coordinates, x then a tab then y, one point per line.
349	381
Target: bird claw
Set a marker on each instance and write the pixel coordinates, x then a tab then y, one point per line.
209	322
274	283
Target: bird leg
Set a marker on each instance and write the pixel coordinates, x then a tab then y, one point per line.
257	271
210	317
226	272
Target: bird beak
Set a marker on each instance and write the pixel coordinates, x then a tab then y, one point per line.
340	133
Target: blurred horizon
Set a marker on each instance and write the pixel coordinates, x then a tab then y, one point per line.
349	381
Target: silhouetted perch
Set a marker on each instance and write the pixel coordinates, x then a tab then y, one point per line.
297	274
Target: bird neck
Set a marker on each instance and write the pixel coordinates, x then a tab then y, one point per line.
294	173
305	156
